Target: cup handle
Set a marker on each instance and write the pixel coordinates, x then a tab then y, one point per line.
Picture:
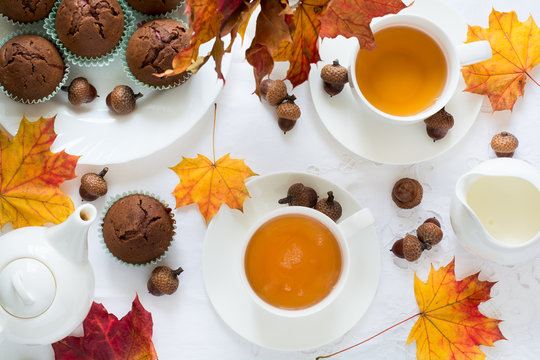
475	52
356	222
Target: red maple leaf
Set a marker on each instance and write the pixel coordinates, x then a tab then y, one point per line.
107	338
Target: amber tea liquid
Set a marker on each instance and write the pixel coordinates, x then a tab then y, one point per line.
405	74
293	262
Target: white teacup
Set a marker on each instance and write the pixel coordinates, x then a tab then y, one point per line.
342	232
456	55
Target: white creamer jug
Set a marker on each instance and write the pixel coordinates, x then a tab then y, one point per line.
495	211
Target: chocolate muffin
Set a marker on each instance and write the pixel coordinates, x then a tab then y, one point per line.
152	48
31	67
154	7
26	11
89	28
138	228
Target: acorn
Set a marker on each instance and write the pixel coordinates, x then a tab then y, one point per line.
163	281
397	249
438	124
329	207
334	77
412	248
93	185
407	193
122	99
504	144
429	233
80	91
273	91
300	195
288	112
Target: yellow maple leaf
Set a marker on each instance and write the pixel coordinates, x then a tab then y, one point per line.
211	185
450	325
516	50
30	175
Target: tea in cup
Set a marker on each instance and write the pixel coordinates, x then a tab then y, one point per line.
414	69
296	259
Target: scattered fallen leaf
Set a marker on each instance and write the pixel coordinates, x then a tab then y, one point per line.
210	185
30	175
272	28
283	33
516	50
450	325
107	338
351	18
304	49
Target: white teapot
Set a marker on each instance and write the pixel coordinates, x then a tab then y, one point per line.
495	211
46	281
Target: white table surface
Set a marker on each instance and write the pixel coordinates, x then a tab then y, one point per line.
185	324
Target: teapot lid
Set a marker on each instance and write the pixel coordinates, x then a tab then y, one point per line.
27	288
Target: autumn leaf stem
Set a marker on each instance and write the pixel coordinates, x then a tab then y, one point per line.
530	77
214	135
366	340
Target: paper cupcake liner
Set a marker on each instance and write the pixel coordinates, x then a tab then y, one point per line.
62	82
109	203
128	70
18	23
147	16
106	59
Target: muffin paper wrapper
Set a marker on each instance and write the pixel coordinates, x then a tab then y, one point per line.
18	23
109	203
66	70
106	59
128	70
168	14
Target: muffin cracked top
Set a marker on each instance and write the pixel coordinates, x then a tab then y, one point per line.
90	28
152	48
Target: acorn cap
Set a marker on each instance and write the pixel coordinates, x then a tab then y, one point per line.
412	248
277	91
122	99
288	109
335	73
429	233
93	185
80	91
329	206
504	144
300	195
440	120
163	281
407	193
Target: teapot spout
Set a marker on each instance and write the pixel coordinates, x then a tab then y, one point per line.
70	237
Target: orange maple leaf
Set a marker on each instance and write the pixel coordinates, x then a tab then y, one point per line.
450	325
211	184
516	50
352	18
30	175
304	48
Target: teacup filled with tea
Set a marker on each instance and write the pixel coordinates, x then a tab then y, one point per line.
296	259
414	69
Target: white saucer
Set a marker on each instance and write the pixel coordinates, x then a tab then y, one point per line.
222	256
361	132
103	138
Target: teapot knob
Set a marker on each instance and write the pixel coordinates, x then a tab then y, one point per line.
25	296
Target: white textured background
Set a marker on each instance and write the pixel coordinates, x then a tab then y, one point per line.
186	326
